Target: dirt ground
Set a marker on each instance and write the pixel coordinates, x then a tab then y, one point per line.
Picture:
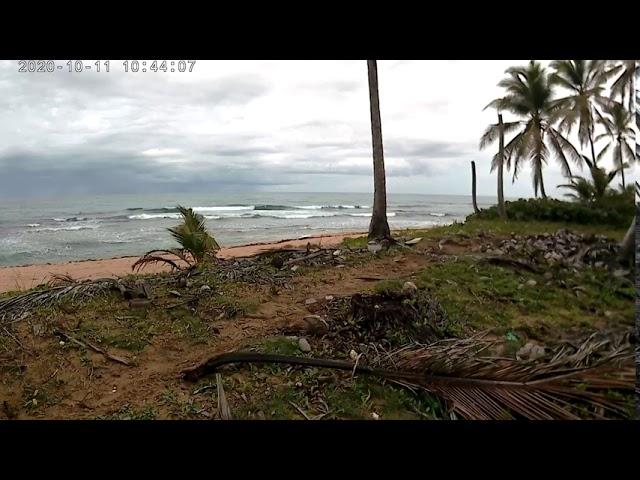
43	376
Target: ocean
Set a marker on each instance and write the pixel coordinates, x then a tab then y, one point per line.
77	228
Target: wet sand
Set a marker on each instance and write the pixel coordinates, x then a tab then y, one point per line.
26	277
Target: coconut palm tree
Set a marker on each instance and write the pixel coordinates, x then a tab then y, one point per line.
585	79
493	132
595	190
618	125
529	96
624	84
379	227
194	240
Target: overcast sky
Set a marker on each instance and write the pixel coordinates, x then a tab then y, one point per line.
297	126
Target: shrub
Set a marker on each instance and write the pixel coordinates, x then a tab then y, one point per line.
616	209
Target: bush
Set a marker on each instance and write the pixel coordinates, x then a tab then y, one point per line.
616	209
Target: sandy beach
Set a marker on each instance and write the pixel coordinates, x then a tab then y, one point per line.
26	277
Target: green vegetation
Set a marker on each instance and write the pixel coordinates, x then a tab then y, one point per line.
482	296
616	210
127	412
192	236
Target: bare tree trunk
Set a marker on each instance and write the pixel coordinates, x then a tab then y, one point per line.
501	207
379	227
473	186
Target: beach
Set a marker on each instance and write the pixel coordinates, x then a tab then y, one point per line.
29	276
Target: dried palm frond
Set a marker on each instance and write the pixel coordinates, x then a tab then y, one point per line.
570	380
13	308
156	256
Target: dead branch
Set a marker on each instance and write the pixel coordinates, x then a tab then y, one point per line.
115	358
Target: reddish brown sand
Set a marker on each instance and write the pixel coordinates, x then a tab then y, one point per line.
23	278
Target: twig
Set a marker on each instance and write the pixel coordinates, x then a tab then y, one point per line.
302	412
94	348
206	387
17	341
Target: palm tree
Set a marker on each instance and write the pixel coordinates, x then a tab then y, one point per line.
529	96
590	191
379	227
624	83
618	125
192	236
489	136
586	80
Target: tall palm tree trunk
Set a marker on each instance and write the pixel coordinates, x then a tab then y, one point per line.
542	192
501	208
473	187
379	227
593	151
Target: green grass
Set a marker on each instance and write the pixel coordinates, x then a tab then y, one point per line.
497	227
127	412
483	296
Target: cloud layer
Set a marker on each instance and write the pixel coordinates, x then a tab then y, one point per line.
247	125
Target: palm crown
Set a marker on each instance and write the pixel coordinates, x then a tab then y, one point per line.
529	96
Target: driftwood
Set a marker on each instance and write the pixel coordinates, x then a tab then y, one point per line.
108	355
302	259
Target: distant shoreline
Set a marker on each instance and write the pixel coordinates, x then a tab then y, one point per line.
25	277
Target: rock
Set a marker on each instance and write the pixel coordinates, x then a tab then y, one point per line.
295	267
548	276
339	266
205	289
531	283
409	289
620	272
260	415
353	355
310	301
303	345
609	314
374	247
536	352
175	293
328	298
520	286
315	325
336	253
375	416
530	351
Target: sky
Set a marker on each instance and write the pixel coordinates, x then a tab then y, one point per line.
278	126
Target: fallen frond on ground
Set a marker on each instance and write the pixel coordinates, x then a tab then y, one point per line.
572	382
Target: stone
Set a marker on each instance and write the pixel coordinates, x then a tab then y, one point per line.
315	325
260	415
205	288
310	301
375	416
531	283
409	289
295	267
353	355
303	345
374	247
336	253
548	276
328	298
339	266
